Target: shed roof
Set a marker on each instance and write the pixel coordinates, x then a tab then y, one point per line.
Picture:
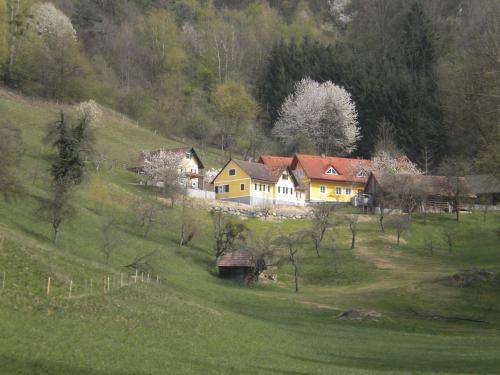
483	184
236	259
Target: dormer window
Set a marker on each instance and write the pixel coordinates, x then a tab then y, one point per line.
362	174
188	156
331	171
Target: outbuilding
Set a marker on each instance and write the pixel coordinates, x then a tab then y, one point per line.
237	265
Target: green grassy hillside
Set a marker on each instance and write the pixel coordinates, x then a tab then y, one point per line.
194	323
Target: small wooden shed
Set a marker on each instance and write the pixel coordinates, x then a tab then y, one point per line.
236	265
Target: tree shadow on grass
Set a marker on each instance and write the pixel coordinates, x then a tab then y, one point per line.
402	363
12	365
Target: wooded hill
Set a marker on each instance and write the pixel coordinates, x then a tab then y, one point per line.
218	71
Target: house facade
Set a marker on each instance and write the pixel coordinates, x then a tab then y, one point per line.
257	184
325	178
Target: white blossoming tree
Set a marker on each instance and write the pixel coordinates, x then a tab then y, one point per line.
163	167
51	21
322	113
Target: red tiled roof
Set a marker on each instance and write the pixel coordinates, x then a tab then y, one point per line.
276	161
315	167
236	259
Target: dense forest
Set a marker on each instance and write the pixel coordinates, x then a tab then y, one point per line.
218	71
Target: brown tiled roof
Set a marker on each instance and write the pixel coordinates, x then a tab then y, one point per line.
236	259
276	161
257	171
315	167
430	185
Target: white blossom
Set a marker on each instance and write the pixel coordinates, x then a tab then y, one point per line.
324	113
211	173
163	167
383	163
90	111
51	21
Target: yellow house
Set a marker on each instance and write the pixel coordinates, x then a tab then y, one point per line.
257	184
331	179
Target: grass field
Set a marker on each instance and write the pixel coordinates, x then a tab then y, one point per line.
195	323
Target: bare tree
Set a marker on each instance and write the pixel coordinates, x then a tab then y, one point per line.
292	243
352	221
400	224
321	221
226	232
148	214
109	242
454	184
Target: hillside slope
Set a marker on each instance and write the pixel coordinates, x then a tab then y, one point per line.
191	321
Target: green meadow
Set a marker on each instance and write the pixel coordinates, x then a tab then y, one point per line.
192	322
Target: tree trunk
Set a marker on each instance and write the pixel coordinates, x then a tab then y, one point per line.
55	233
381	222
399	235
296	276
353	242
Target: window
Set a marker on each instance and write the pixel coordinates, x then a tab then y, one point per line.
268	188
322	189
222	189
301	173
348	191
279	189
232	172
284	176
188	155
331	171
338	191
260	187
242	187
362	173
291	191
255	187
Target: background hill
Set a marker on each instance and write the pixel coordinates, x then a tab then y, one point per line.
427	69
193	322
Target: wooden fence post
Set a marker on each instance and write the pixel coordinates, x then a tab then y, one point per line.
3	280
91	285
121	280
70	287
136	275
48	286
142	277
108	284
157	279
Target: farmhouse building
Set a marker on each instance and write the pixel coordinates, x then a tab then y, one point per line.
258	184
486	187
431	193
191	165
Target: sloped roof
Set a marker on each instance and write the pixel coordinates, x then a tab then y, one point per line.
258	171
483	184
236	259
276	161
139	161
315	167
429	185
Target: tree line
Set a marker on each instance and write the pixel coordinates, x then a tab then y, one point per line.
219	71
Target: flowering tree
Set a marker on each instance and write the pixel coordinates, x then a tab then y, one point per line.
90	111
164	170
322	113
50	20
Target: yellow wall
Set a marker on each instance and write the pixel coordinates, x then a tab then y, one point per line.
233	181
331	196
